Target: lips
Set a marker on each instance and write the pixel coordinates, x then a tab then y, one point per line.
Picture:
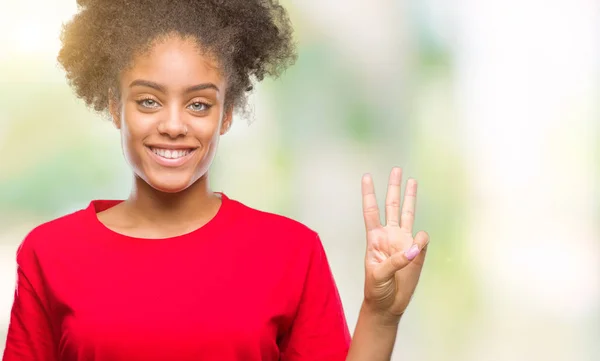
170	157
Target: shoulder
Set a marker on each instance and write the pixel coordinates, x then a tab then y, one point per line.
271	222
274	229
51	236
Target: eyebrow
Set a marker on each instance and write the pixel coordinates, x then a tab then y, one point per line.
161	88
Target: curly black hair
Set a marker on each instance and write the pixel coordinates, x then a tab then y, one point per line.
250	39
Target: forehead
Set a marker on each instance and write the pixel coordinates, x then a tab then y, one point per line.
174	61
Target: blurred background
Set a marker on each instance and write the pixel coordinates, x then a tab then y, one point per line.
492	105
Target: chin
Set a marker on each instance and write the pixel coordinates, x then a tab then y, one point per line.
169	188
169	184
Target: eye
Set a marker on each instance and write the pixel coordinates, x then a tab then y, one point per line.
198	106
148	103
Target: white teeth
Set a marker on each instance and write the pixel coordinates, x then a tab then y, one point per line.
171	154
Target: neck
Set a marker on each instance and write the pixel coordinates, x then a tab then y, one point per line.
195	203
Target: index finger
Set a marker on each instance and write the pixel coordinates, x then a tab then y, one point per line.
369	204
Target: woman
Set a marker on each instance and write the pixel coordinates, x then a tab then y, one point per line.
176	271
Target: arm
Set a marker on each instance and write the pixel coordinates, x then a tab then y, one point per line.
29	332
374	337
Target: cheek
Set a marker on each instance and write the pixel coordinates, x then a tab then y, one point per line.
207	131
135	125
134	128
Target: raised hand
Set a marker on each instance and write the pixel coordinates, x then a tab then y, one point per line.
394	259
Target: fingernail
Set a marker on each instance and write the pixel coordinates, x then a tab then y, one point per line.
412	252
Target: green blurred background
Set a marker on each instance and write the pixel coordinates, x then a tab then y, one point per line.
491	105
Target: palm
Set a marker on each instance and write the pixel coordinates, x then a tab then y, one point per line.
391	276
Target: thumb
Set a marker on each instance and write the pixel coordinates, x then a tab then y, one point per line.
422	238
399	260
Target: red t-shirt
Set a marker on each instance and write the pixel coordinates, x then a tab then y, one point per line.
248	285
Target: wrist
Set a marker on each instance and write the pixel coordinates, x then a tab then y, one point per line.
379	318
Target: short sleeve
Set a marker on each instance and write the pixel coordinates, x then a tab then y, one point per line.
319	331
29	332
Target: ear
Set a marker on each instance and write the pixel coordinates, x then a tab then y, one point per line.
227	119
113	108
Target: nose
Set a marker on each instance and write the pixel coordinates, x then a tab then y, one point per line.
173	125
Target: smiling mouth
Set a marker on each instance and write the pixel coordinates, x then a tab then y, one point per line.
171	153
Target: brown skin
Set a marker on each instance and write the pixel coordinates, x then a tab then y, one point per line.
167	202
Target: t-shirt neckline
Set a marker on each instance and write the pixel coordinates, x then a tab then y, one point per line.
98	205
